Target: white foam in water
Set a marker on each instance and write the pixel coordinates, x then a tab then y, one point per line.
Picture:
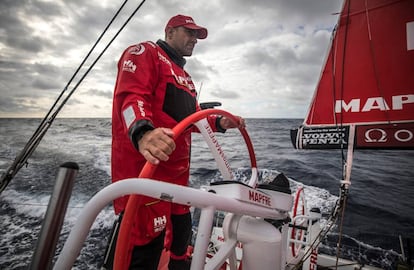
102	161
28	209
27	205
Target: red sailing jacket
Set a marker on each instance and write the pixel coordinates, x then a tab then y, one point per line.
152	90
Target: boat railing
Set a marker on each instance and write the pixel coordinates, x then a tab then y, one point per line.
247	214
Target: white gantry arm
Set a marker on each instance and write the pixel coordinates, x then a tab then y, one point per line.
156	189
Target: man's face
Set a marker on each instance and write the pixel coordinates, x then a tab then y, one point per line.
182	40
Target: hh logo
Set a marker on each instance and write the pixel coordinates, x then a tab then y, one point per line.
159	223
129	66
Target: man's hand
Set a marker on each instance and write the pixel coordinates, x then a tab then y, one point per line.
156	145
227	123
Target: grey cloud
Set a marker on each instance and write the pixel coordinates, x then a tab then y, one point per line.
24	42
15	22
251	28
19	104
8	104
224	94
99	93
272	57
198	70
288	10
74	101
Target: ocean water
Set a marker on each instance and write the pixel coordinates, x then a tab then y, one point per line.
379	208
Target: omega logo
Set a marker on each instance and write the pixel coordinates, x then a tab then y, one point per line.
409	135
402	135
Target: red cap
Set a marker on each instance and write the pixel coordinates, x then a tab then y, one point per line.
187	22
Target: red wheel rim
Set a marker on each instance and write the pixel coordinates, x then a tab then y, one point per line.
121	257
298	209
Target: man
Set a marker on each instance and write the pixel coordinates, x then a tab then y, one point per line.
153	93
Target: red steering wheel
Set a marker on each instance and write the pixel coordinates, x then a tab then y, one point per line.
121	252
298	235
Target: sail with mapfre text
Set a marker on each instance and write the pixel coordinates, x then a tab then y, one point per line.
367	82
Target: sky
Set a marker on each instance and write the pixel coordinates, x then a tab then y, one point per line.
261	59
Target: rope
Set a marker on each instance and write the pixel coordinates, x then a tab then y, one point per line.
344	188
339	209
322	234
47	121
344	196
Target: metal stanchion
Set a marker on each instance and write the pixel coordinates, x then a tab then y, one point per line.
52	223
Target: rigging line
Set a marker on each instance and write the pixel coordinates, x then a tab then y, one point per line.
46	205
21	160
322	234
34	141
374	64
316	242
42	124
334	50
83	62
199	91
333	217
97	59
342	81
344	187
344	196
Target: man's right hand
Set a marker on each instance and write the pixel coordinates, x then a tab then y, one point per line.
156	145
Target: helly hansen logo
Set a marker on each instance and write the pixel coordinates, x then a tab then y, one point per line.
159	223
129	66
141	107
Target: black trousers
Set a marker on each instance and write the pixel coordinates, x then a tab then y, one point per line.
147	257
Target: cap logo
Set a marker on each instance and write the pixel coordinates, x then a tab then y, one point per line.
186	21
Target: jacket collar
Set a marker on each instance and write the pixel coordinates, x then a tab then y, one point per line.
180	61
